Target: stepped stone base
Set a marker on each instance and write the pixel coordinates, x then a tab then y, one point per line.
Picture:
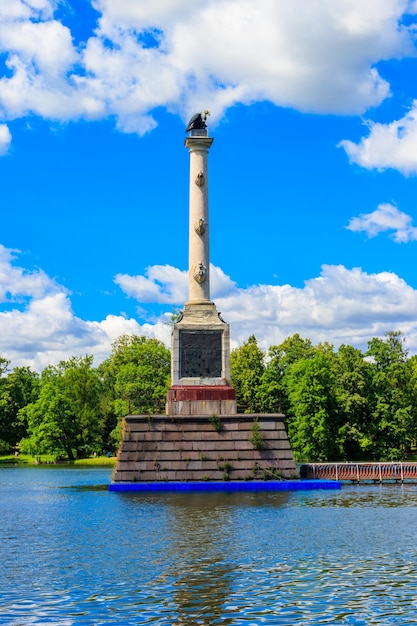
171	448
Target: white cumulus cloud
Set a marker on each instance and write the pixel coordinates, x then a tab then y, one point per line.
387	146
311	55
5	139
163	284
385	218
38	324
17	283
340	305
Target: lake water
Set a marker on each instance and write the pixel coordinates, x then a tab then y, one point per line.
74	553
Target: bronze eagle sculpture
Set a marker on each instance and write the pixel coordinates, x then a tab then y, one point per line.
198	121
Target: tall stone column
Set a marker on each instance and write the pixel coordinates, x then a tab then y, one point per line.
199	240
200	367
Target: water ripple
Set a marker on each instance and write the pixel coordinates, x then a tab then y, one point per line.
73	554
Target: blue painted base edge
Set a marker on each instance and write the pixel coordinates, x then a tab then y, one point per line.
253	485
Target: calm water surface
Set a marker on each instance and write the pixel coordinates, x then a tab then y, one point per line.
74	553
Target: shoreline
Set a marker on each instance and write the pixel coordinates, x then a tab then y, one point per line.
45	459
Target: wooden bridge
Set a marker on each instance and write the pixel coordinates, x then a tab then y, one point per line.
398	471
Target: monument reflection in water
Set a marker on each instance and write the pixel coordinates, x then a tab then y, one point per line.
199	535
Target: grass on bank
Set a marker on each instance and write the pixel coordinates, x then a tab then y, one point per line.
50	459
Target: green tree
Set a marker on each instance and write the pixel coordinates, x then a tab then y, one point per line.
5	446
246	370
393	425
273	391
4	366
66	419
412	380
353	394
136	380
313	415
17	389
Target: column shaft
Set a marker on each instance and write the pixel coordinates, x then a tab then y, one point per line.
199	240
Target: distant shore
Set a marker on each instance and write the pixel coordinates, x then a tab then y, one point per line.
46	459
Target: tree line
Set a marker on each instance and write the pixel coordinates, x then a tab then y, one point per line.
73	410
341	404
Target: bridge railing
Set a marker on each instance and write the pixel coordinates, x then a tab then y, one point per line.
356	472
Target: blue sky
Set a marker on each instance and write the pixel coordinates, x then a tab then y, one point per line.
313	186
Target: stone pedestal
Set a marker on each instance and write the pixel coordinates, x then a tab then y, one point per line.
200	366
198	448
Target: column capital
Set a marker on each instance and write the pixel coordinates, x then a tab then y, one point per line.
198	143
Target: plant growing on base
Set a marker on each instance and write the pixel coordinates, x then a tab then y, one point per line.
256	437
216	423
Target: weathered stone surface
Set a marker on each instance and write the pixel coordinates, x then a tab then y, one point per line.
263	425
213	445
172	448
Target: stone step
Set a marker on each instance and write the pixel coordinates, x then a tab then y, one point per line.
189	449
